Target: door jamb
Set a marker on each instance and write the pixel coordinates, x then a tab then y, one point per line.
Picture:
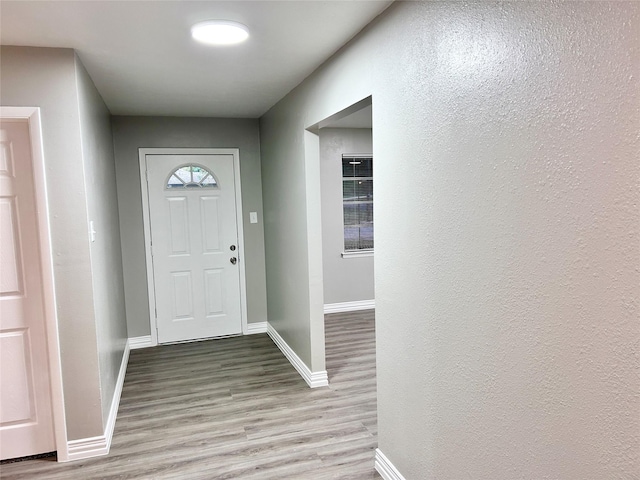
32	116
142	155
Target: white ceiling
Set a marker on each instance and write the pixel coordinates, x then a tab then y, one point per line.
141	57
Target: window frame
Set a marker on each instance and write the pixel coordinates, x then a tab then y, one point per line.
192	184
355	252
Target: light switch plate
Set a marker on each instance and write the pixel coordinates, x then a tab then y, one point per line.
253	217
92	232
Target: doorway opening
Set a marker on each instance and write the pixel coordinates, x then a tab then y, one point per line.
345	144
346	184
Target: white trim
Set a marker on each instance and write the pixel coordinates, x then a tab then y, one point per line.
99	446
117	393
146	223
240	226
257	327
349	306
142	157
140	342
385	468
313	379
87	448
32	115
358	253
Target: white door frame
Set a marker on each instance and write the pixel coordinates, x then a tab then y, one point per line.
142	154
32	116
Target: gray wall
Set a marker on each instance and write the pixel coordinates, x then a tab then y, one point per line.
345	279
293	230
131	133
507	169
106	256
90	344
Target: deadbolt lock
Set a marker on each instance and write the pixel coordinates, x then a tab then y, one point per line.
232	248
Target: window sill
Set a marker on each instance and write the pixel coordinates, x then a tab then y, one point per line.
357	253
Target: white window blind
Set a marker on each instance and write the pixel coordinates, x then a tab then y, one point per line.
357	202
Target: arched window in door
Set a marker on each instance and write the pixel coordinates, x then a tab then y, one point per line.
192	176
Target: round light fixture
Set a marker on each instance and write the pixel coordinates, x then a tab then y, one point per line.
219	32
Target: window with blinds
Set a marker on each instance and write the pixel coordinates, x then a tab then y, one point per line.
357	202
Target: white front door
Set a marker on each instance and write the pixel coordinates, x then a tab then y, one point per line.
26	422
194	245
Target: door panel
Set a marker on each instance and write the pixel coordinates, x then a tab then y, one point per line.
214	291
26	423
193	227
179	225
211	228
11	272
17	402
182	296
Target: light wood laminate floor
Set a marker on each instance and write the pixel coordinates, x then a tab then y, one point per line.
236	409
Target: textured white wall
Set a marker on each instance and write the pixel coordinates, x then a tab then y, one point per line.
106	255
345	279
291	194
507	165
46	77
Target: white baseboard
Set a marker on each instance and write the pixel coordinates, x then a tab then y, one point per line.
313	379
87	448
253	328
98	446
117	393
349	306
385	468
140	342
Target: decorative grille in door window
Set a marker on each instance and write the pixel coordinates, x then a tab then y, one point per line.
192	176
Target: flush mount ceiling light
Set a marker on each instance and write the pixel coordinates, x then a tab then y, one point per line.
219	32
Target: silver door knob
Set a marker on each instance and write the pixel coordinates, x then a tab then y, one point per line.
233	260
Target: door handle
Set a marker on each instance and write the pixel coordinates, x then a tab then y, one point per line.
233	260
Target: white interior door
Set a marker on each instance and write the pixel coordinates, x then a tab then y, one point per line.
26	423
194	240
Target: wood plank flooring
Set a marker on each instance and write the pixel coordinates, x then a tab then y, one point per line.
236	409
